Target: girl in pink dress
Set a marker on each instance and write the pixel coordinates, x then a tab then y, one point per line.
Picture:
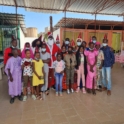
27	46
91	57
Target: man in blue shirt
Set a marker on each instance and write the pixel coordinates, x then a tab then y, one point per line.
108	62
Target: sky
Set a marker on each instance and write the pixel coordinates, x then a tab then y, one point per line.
41	20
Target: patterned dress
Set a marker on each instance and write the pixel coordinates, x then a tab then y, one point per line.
100	57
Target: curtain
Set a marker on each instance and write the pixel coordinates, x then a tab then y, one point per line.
72	35
99	35
116	41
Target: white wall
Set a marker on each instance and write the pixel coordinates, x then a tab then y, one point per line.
55	33
24	39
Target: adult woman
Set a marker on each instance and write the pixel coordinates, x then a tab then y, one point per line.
80	66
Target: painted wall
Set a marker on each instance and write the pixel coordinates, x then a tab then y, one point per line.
55	33
24	39
87	34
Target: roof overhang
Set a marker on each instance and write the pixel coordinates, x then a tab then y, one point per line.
106	7
10	20
79	23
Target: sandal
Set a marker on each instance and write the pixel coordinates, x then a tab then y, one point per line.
77	90
83	89
46	92
39	98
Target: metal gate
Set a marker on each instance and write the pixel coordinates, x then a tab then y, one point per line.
6	35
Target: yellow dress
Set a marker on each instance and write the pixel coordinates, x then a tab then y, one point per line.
38	68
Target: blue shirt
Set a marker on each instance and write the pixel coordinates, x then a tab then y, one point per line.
87	48
109	58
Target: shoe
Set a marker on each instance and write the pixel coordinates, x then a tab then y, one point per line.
12	100
109	92
100	86
68	91
72	91
33	97
99	89
20	98
84	91
94	92
53	88
77	90
25	98
56	93
104	89
61	94
88	91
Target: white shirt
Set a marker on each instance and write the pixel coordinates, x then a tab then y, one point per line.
27	71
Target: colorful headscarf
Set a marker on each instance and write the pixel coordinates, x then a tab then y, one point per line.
23	51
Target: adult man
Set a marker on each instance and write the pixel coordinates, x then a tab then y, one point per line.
108	62
53	49
8	51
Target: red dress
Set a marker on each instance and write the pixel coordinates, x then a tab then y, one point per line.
8	54
53	52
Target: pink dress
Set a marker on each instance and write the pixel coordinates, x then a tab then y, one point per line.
90	75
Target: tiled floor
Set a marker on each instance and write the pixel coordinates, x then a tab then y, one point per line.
69	109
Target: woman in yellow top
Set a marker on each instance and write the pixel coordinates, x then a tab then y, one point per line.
38	74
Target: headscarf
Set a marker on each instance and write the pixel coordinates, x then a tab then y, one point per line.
23	51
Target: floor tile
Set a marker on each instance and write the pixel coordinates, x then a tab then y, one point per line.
75	108
70	112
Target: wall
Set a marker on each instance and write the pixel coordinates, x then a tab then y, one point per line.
55	33
31	32
24	39
87	32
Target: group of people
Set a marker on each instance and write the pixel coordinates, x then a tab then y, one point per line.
46	64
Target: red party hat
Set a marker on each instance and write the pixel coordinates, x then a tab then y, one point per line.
79	37
105	36
57	38
72	43
49	34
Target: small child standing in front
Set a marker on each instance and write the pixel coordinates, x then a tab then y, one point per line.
27	74
59	66
38	74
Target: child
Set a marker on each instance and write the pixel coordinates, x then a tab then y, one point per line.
99	65
38	74
14	73
27	74
91	57
27	46
63	53
59	66
81	60
70	62
45	56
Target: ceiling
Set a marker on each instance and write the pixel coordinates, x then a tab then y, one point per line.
107	7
